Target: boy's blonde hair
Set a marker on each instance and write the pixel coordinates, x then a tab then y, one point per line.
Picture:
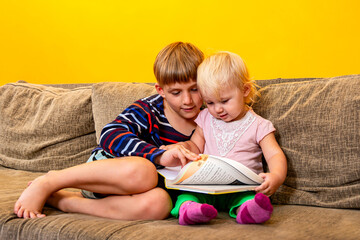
225	69
177	63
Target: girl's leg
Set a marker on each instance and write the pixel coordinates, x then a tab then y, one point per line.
119	176
235	200
154	204
191	209
251	208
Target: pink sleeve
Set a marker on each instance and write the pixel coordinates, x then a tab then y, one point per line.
264	128
200	120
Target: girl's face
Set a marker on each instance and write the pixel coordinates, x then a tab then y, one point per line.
230	106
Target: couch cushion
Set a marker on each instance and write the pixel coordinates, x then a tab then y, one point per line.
287	222
317	125
264	83
44	127
109	99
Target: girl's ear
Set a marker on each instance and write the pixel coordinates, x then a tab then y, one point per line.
159	90
246	89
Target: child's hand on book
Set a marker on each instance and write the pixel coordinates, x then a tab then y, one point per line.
271	183
176	155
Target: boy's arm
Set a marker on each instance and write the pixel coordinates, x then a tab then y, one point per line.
123	136
276	161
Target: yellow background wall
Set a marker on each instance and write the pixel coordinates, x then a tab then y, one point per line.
52	41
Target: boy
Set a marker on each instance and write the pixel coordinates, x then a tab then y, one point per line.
126	187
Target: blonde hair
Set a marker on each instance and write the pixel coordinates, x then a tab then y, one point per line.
177	62
225	69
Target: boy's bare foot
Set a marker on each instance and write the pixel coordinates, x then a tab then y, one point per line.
32	199
61	199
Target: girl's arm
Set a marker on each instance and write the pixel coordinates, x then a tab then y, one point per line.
196	143
183	151
277	164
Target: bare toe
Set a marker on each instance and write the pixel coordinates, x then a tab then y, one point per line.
20	212
17	207
26	214
40	215
32	215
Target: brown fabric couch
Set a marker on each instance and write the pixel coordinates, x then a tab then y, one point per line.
52	127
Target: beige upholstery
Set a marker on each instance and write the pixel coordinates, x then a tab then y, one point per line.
317	124
44	128
317	121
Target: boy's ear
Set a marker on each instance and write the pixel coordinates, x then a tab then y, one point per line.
159	90
246	89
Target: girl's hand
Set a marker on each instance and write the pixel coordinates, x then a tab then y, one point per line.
170	146
164	147
271	183
176	155
276	161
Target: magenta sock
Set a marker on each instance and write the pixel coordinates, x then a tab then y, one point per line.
193	213
257	210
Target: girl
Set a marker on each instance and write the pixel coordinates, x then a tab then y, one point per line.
228	127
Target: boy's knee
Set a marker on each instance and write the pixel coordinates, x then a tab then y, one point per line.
157	205
141	173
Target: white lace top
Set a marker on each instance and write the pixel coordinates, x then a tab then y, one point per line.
237	140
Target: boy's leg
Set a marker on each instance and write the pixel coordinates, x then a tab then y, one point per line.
154	204
120	176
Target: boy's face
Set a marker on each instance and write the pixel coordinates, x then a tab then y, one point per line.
183	99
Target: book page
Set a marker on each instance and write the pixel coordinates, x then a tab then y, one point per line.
215	171
210	173
175	175
243	173
211	170
170	172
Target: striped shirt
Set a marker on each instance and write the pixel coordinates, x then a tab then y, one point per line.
140	130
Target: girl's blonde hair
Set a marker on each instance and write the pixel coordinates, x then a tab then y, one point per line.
225	69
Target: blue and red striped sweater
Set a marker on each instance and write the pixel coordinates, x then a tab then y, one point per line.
140	130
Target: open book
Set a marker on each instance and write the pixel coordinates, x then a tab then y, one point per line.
212	175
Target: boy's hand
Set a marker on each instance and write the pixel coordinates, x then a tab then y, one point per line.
271	183
176	155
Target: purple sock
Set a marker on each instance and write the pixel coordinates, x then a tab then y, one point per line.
193	213
257	210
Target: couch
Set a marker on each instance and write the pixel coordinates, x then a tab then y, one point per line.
47	127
